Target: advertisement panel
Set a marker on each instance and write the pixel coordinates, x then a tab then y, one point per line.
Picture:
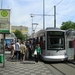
8	44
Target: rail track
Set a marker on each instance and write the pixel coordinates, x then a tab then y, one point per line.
61	68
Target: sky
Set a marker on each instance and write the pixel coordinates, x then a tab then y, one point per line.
21	11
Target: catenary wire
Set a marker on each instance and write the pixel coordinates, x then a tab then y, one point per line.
49	11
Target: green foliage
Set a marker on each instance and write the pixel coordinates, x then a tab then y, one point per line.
19	35
68	25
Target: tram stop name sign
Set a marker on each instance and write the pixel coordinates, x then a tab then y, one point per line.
4	21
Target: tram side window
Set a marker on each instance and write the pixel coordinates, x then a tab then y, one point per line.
42	43
43	46
37	40
70	44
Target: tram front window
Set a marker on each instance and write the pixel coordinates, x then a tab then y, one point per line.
55	42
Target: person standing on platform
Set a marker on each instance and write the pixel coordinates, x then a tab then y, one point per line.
12	50
22	51
38	49
17	49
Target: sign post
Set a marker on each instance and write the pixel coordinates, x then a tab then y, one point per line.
4	21
4	27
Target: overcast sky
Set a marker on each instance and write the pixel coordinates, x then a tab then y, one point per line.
21	10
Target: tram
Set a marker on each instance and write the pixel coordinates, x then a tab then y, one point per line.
70	44
53	44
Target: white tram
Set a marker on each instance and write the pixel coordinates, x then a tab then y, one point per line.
70	44
53	44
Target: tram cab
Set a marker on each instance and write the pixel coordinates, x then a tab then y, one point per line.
70	42
52	42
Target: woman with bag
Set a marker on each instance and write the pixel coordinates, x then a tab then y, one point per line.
37	53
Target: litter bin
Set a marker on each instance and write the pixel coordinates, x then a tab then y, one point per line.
1	58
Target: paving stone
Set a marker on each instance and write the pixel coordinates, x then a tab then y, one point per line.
24	68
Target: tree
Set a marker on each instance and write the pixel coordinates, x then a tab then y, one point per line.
19	35
68	25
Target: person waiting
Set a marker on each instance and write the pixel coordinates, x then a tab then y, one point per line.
17	49
22	51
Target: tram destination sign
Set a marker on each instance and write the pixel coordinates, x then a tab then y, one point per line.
55	33
4	20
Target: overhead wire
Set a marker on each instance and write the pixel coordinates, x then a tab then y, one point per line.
52	8
55	5
42	17
49	11
68	7
58	3
37	21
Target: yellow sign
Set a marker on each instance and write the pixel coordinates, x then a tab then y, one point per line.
21	30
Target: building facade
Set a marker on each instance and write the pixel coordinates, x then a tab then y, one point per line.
23	29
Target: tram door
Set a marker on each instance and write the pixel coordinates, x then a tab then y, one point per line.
74	48
70	49
42	45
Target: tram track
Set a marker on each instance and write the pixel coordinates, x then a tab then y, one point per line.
58	69
70	64
61	68
53	69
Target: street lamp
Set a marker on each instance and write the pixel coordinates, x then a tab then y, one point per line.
32	21
34	29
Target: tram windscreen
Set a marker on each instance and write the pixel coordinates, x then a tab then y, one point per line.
55	40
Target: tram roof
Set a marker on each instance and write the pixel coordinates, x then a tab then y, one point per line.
47	29
54	29
70	32
37	33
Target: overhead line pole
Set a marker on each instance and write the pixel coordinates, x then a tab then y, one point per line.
54	16
46	15
3	41
43	14
1	3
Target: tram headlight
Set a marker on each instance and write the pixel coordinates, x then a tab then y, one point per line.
65	53
48	53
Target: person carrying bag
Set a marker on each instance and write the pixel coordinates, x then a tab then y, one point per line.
37	53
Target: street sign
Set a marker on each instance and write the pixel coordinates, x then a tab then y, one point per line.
4	20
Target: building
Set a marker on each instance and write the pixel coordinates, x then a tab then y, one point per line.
23	29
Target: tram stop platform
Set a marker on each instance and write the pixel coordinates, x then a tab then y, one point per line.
28	67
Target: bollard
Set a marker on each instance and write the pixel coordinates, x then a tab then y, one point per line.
1	58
